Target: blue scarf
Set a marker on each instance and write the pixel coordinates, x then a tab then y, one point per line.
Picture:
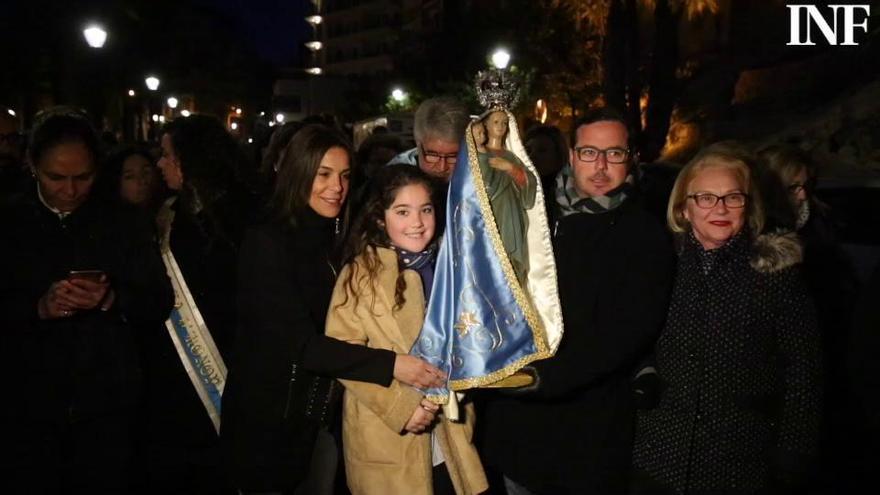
422	263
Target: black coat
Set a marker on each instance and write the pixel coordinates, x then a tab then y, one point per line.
575	434
274	403
86	365
741	363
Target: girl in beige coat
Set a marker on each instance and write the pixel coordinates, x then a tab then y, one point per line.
395	441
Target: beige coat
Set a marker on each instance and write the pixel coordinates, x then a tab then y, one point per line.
380	457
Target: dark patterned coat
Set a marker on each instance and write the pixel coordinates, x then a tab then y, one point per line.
741	364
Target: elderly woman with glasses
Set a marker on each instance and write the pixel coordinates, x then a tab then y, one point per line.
739	356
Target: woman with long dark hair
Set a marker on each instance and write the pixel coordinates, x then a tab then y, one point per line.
77	276
281	402
200	229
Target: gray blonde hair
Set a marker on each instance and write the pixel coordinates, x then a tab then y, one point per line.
442	117
726	154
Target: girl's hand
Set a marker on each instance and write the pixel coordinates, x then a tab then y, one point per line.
413	371
422	417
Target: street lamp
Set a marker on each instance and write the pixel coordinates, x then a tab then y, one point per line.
500	58
11	112
131	92
233	126
152	83
398	95
185	113
172	102
238	111
279	117
95	35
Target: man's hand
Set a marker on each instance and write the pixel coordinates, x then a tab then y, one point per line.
413	371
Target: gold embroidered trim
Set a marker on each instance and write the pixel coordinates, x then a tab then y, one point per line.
539	336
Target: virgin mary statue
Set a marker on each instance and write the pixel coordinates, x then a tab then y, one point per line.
494	305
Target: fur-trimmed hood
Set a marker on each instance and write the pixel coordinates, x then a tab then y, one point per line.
775	251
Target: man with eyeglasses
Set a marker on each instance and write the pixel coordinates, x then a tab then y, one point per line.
11	170
438	128
574	432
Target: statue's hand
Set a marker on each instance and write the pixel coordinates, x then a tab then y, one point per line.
499	163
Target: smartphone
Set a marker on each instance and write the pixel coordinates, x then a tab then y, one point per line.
91	275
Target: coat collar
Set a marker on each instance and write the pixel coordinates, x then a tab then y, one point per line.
410	316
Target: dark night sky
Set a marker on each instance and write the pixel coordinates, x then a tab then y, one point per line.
275	28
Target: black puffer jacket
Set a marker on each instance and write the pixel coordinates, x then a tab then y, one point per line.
741	362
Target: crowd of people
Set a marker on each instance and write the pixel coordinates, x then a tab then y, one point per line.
180	318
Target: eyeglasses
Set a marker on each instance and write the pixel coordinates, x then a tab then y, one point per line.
796	188
612	155
433	158
709	200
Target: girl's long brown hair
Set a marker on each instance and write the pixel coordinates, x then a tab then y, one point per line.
368	231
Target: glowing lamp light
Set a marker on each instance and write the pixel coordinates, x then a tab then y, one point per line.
238	111
314	20
10	112
155	117
398	95
234	126
315	71
152	83
95	36
162	119
500	58
131	92
185	113
541	111
172	102
250	140
314	45
279	117
272	124
262	114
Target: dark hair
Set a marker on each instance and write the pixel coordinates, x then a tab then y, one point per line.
555	136
278	141
602	114
209	158
62	125
368	230
107	183
302	157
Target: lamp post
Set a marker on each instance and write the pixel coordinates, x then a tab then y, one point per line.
152	83
500	58
95	35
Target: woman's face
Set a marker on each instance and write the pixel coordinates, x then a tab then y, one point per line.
715	226
65	175
796	190
330	187
136	181
409	221
169	164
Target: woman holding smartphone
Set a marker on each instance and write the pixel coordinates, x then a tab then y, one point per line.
75	276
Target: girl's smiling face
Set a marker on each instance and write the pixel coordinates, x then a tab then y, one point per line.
410	221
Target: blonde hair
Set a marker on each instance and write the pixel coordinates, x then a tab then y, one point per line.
726	154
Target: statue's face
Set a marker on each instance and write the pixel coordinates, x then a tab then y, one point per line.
496	124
